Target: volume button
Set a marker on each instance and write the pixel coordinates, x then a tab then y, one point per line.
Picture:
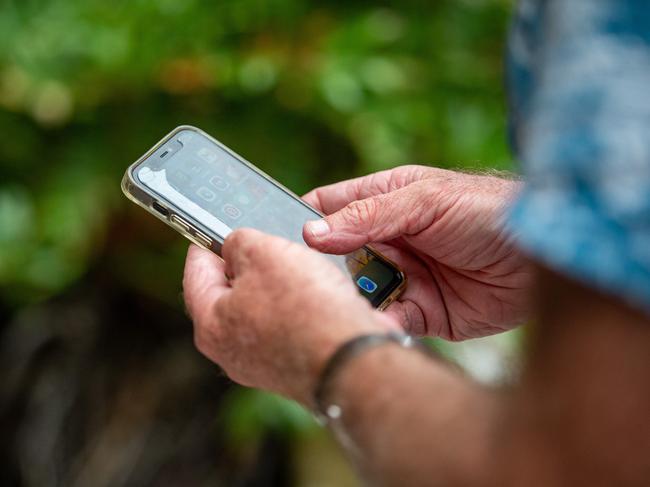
180	223
203	240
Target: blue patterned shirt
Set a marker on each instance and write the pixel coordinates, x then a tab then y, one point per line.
579	76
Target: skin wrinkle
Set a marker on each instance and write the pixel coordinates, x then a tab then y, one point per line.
426	325
475	324
458	206
317	195
379	185
455	332
509	252
479	267
447	325
495	247
428	278
415	219
361	211
470	275
398	178
498	240
412	318
403	226
440	228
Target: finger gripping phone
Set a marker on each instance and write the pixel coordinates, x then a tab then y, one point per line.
204	190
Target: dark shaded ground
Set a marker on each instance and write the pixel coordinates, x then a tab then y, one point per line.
103	387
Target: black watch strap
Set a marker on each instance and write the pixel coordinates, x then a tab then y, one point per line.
326	411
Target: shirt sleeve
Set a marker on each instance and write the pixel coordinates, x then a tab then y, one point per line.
579	74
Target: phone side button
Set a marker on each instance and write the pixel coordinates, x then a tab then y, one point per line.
202	239
179	223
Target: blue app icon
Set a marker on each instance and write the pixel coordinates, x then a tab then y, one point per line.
367	284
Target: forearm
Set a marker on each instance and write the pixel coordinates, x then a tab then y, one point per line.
578	417
412	420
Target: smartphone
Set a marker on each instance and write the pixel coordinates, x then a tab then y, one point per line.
204	190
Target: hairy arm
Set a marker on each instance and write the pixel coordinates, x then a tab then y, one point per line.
579	416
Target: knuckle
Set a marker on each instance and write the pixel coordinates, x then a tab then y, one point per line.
408	174
256	250
314	198
279	245
360	211
235	238
419	200
268	251
402	176
240	243
413	222
232	242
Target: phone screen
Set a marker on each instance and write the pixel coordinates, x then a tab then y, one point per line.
213	186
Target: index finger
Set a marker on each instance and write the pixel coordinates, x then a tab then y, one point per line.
204	282
331	198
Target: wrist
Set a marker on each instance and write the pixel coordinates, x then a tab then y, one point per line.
326	407
338	331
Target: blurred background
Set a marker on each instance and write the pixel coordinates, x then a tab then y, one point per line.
100	382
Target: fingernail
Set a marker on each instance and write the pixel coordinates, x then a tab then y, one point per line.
318	228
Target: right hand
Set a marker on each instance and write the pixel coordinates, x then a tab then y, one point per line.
445	230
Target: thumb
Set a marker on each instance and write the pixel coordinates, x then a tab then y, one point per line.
375	219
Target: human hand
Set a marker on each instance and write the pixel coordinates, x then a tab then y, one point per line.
279	317
444	229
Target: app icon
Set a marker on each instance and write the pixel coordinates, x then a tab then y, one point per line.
256	190
243	199
219	183
206	194
367	284
207	155
196	167
231	211
234	172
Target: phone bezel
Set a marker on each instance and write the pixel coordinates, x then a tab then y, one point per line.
145	197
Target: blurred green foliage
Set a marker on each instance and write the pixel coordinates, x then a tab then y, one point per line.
311	92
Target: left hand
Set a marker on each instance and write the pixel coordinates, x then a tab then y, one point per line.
284	311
